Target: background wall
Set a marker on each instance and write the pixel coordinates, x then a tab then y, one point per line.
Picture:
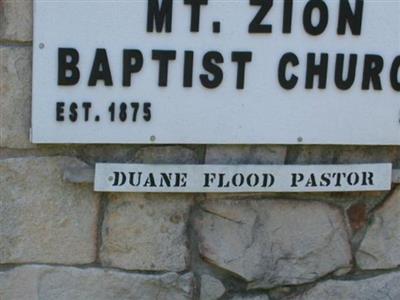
60	240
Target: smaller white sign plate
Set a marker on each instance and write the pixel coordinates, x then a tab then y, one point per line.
241	178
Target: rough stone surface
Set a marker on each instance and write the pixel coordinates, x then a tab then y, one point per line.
364	154
311	154
211	288
250	297
383	287
380	248
357	215
146	232
16	20
271	243
317	154
42	218
66	283
165	155
254	154
15	96
107	153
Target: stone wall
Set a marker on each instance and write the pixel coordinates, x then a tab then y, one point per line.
60	240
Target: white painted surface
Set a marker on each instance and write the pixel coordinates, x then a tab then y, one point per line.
262	113
194	178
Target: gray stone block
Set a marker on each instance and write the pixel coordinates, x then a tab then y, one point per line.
364	154
67	283
15	96
382	287
211	288
250	297
42	218
245	154
165	155
272	243
16	20
380	246
146	232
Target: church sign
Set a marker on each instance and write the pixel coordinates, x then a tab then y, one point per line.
216	72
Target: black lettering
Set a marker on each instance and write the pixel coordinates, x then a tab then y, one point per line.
313	70
60	111
73	114
338	178
216	27
252	180
287	16
296	179
268	180
221	180
147	111
160	16
373	66
100	69
394	74
180	179
128	67
325	179
347	16
256	25
163	56
188	69
311	182
367	178
150	181
166	179
86	106
209	178
241	58
285	83
119	178
353	178
341	83
210	61
68	59
323	17
132	178
238	179
195	13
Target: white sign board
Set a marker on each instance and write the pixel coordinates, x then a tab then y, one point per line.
216	72
241	178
